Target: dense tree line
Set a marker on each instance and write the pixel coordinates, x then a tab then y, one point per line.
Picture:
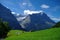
56	25
4	28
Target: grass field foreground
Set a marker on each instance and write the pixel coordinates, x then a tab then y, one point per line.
48	34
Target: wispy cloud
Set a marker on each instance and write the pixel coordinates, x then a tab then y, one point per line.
45	6
54	18
26	4
14	13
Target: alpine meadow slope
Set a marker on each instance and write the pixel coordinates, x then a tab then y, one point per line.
48	34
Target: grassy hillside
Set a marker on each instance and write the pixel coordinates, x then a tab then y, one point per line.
48	34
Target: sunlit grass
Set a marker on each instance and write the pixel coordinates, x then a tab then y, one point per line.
48	34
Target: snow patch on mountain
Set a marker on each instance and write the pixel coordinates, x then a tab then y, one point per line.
20	18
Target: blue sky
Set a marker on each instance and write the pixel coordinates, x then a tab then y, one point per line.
50	7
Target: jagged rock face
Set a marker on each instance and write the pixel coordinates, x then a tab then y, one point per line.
6	15
37	21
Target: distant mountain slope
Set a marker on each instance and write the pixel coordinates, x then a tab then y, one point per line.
37	21
6	15
48	34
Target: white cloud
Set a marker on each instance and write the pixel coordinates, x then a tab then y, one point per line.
24	3
13	12
56	19
31	12
44	6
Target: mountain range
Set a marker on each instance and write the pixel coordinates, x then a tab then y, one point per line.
36	21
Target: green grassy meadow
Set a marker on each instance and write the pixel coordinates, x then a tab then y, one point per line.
48	34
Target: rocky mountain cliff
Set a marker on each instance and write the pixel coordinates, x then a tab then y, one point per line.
37	21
